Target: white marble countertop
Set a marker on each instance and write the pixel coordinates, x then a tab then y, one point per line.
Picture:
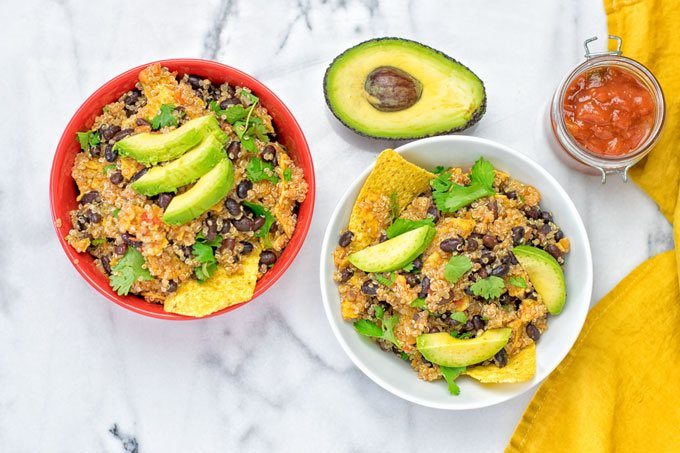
78	373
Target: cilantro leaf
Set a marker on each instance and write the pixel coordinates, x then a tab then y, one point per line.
259	170
249	97
518	282
439	169
488	288
164	117
449	196
458	316
450	374
97	241
108	168
379	311
405	356
408	268
232	114
205	255
386	332
88	139
401	226
388	326
418	303
394	205
385	280
287	174
115	213
457	266
127	271
269	219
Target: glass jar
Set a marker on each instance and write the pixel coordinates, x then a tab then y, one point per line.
576	155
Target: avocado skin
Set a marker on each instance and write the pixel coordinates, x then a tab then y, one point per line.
471	122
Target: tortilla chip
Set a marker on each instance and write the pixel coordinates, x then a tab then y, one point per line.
219	291
393	183
521	367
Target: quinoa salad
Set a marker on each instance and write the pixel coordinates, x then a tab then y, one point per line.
463	277
251	210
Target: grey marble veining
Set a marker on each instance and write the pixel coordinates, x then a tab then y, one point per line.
77	373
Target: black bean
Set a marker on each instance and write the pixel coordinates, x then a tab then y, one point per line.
533	332
382	237
107	132
546	216
517	235
489	241
233	149
501	358
233	207
172	286
559	235
194	81
229	102
110	154
212	230
545	229
120	135
94	216
120	249
369	288
411	279
554	251
482	272
531	295
532	212
452	245
418	263
468	326
504	299
132	98
345	274
142	122
247	248
268	257
89	197
243	224
164	200
130	240
186	251
139	174
424	287
493	207
269	154
106	264
487	257
500	271
228	245
511	195
116	177
478	322
433	212
509	258
243	188
258	223
472	244
345	238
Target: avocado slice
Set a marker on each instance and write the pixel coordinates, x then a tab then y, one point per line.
394	88
394	253
208	190
151	148
545	274
180	172
443	349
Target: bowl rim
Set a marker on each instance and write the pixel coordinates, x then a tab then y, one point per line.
136	303
327	248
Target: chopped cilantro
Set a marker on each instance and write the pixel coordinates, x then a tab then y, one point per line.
488	288
387	281
287	174
232	114
164	117
449	196
115	213
418	303
379	311
129	269
205	255
461	336
108	168
450	374
88	139
269	219
97	241
458	316
259	170
439	170
386	332
401	226
405	356
249	97
457	266
518	282
408	268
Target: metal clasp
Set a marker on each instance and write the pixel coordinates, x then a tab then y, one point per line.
589	54
623	172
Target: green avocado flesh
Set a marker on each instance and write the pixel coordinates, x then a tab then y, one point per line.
394	253
180	172
399	89
443	349
208	190
151	148
545	274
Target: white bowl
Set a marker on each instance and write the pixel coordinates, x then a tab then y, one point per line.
396	375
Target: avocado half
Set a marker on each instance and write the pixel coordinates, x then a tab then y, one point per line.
393	88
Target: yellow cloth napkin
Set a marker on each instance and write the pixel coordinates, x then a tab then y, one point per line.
618	389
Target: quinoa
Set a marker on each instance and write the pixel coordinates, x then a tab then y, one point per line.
426	302
111	216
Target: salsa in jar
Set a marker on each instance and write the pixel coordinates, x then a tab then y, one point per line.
609	111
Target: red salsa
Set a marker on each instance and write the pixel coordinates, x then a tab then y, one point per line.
609	111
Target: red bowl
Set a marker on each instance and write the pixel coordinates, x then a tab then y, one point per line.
63	190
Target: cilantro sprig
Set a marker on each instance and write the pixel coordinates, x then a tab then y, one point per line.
203	251
386	281
88	139
450	197
451	374
129	269
518	282
418	302
164	117
488	288
269	219
385	331
457	266
401	226
287	174
259	170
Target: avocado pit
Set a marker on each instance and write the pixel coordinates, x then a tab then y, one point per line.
390	89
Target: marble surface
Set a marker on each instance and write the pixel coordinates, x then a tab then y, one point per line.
78	373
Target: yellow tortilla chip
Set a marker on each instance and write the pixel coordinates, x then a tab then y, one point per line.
219	291
521	367
393	183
